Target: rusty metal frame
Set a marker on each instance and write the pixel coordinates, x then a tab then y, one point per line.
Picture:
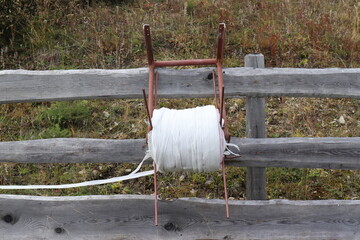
153	87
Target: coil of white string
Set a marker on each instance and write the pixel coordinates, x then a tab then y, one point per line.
181	140
189	139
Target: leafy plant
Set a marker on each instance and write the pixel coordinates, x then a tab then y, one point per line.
67	113
55	132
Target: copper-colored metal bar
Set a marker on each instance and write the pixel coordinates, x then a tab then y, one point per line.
221	87
150	105
222	105
220	42
222	96
147	108
151	109
156	89
151	90
225	189
219	58
217	104
148	44
156	196
220	76
191	62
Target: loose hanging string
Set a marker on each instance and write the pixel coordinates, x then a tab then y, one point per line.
181	140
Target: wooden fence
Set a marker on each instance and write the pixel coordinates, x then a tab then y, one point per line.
131	217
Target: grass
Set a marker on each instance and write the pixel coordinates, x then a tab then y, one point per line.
74	35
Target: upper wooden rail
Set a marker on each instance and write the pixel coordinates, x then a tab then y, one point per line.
32	86
328	153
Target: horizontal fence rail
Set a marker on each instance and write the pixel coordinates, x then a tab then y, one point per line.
32	86
327	153
131	217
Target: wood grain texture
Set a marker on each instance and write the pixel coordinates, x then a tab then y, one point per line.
328	153
255	128
131	217
72	150
32	86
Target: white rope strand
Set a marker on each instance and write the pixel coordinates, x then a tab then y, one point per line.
181	140
132	175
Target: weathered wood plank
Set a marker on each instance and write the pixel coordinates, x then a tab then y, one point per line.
328	153
332	83
255	128
73	150
131	217
32	86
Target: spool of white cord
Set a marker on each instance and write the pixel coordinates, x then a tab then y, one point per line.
187	140
181	140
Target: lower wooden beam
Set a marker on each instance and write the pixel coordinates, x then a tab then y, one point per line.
327	153
131	217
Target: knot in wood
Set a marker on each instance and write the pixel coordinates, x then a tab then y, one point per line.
8	218
59	230
171	227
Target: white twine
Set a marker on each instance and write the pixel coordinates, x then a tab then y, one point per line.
189	139
181	140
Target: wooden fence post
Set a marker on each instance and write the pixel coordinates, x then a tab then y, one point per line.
255	128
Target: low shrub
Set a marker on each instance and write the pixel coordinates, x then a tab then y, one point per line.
66	114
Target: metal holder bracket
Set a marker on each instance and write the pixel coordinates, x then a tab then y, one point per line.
153	89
